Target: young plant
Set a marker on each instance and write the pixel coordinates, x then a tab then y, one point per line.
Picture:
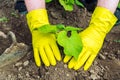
79	3
67	4
119	5
3	19
72	44
47	1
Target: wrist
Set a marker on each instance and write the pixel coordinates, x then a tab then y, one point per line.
37	18
103	19
35	4
111	5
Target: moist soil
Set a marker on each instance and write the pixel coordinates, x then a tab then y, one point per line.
105	67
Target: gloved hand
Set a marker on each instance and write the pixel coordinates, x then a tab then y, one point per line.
92	38
44	44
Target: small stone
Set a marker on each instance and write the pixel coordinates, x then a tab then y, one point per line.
67	75
76	73
18	64
38	77
92	71
20	76
105	53
111	56
95	62
56	69
20	68
54	15
27	74
102	56
118	52
107	68
65	66
9	76
93	77
47	73
2	34
26	63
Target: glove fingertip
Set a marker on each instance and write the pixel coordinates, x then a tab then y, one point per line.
47	64
89	62
59	58
53	63
37	58
86	68
38	64
66	59
70	66
75	68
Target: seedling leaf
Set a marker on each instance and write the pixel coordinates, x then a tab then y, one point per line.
79	3
67	4
47	1
72	45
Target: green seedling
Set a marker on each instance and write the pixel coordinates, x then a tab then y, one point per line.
51	28
14	14
79	3
47	1
119	5
117	41
67	4
3	19
72	44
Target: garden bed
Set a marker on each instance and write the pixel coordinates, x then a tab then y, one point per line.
105	67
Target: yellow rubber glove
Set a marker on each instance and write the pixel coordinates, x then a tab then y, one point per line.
92	38
44	44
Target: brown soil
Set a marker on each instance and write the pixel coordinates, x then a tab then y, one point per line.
105	67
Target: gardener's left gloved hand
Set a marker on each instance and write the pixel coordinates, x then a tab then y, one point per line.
92	38
44	44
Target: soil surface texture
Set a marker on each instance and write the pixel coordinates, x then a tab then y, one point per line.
105	67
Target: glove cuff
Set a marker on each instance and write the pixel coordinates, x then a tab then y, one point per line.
102	19
37	18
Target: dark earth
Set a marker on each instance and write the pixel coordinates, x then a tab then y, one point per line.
105	67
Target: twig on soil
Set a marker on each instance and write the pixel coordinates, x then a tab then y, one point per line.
102	56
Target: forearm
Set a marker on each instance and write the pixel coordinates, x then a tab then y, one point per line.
109	4
35	4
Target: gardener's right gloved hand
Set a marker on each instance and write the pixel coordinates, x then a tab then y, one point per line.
92	38
44	44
